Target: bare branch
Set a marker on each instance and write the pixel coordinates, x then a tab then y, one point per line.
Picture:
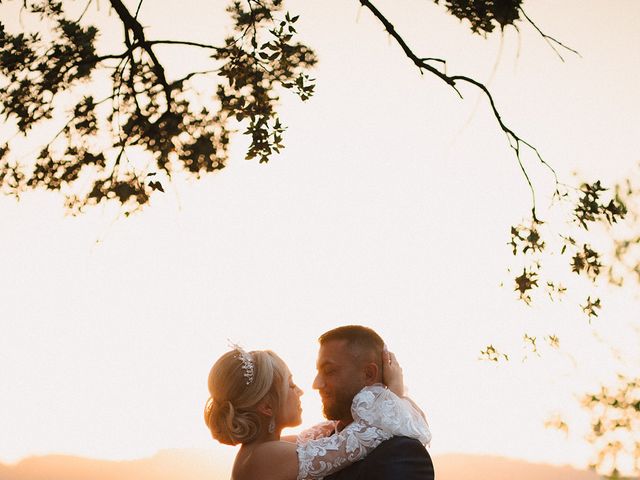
193	74
86	7
515	141
549	39
177	42
421	63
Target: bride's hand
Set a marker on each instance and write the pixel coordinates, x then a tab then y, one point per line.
392	373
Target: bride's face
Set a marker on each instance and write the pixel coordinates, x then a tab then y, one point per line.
291	414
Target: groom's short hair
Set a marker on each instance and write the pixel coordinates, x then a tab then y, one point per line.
359	339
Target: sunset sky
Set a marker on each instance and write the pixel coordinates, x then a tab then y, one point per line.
390	206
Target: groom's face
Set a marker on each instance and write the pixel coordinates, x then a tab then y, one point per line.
339	378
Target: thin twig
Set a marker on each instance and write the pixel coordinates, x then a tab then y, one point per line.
515	141
193	74
549	39
86	7
176	42
138	9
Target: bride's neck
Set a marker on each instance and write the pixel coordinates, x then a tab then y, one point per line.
265	436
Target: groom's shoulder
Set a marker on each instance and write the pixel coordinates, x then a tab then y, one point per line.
399	447
398	457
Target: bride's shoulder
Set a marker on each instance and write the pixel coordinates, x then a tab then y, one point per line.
275	460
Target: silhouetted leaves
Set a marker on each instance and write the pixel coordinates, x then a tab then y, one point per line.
526	282
156	185
530	343
586	261
526	239
147	112
614	409
556	422
591	207
484	15
591	204
36	71
615	423
151	114
553	341
591	307
555	290
491	354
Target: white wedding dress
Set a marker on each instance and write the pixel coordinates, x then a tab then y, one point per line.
378	414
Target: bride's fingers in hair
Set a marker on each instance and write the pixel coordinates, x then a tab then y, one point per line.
392	374
386	357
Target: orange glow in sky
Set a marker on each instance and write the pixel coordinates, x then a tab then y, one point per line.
390	207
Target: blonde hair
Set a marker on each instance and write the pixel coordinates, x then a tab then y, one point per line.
230	412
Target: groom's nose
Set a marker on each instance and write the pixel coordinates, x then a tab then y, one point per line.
317	383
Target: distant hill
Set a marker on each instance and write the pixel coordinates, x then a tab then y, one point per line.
483	467
207	465
165	465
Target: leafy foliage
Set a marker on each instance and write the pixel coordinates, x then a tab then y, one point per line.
491	354
526	282
484	15
153	127
615	408
122	144
589	207
146	110
590	204
615	423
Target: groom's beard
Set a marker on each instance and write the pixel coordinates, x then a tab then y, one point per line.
340	407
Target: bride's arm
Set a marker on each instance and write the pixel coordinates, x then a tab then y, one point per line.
279	460
393	378
378	413
322	429
313	458
322	456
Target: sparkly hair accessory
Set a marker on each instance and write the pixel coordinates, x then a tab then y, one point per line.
247	362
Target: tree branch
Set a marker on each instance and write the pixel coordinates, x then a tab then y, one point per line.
515	141
86	7
132	24
135	45
549	39
421	63
178	42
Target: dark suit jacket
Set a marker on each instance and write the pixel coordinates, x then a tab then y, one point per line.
399	458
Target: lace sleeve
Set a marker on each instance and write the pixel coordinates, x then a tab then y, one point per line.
397	416
322	456
320	430
378	415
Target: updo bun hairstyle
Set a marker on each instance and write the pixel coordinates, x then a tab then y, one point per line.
230	412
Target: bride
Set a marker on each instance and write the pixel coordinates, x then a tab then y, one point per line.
253	397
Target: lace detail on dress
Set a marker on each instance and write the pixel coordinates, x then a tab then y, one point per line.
320	430
378	414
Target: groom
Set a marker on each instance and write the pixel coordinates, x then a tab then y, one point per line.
350	358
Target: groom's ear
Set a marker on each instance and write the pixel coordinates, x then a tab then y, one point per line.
371	373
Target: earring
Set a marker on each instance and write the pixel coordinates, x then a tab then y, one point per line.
272	425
